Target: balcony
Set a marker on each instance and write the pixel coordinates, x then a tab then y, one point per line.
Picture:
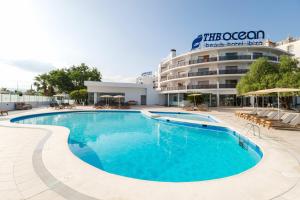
206	73
203	73
272	58
177	76
233	71
220	58
235	57
173	88
163	69
163	79
208	86
227	85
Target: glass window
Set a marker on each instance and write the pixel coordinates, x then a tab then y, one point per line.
231	67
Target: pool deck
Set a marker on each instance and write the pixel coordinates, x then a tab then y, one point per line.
36	163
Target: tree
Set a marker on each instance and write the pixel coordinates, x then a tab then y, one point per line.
43	84
66	80
61	80
266	75
79	74
79	96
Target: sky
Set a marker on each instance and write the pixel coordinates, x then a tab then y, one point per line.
122	38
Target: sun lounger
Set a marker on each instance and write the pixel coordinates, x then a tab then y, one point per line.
260	115
256	112
282	121
294	124
202	107
273	116
265	116
2	112
243	114
188	108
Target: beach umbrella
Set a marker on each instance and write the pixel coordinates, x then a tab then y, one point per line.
119	97
106	97
194	95
274	90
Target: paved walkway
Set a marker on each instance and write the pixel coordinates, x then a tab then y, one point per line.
21	177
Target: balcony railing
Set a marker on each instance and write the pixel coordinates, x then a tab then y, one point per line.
220	58
208	86
233	71
235	57
173	88
163	79
203	73
206	73
177	76
232	85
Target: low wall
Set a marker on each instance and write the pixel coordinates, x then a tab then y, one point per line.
11	105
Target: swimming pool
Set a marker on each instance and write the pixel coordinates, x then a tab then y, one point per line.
182	115
129	144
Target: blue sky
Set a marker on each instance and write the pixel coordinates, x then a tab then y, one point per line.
123	38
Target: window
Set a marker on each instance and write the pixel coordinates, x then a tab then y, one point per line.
231	67
257	55
180	62
231	54
203	69
231	81
203	82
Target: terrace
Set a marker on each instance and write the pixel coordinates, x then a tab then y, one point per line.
44	168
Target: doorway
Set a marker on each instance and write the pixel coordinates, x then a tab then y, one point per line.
143	100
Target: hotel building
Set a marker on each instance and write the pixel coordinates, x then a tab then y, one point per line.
211	71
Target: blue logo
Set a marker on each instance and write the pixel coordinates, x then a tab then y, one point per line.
197	42
227	36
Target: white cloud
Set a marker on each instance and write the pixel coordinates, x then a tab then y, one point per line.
30	65
13	77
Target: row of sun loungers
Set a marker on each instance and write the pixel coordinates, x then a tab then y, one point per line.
113	107
63	106
272	118
201	107
2	112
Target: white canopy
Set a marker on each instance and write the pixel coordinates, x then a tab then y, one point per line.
274	90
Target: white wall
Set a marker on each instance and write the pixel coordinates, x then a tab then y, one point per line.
11	105
294	48
133	93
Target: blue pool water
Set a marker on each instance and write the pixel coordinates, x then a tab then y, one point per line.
132	145
181	115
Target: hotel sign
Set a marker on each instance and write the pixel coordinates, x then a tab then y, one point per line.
229	39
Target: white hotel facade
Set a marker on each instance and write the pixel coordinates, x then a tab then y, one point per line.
212	71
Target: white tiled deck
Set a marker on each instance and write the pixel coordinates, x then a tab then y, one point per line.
36	163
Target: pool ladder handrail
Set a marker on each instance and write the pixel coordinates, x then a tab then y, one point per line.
253	127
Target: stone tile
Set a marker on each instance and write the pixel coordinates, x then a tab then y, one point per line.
46	195
7	185
10	195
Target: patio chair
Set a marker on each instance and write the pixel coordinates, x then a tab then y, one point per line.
188	108
282	121
293	125
243	114
261	115
202	107
248	114
2	112
274	116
